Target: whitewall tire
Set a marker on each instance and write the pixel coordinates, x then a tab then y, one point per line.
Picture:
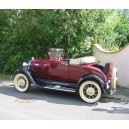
113	78
21	82
90	91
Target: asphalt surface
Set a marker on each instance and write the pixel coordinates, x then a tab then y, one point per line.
56	105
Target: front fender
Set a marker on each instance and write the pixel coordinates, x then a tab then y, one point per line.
27	73
94	78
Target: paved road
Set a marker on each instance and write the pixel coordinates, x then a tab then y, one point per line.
46	104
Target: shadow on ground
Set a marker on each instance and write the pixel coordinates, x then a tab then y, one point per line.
118	110
51	96
114	100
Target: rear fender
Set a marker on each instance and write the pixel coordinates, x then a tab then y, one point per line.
94	78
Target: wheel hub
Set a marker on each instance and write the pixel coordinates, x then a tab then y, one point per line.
90	91
21	82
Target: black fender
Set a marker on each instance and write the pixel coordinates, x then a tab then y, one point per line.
27	73
94	78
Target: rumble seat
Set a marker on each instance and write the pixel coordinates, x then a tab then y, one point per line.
82	60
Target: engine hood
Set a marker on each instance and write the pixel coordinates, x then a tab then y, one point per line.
39	61
36	63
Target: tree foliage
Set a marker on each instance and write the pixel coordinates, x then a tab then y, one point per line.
27	33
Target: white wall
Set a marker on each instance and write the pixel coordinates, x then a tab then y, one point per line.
120	60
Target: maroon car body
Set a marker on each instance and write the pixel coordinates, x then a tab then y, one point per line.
60	74
63	71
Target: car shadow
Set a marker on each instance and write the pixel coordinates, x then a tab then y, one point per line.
121	101
51	96
118	110
115	110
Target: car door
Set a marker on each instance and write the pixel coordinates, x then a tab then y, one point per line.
58	70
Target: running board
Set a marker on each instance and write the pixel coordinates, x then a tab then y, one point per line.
59	88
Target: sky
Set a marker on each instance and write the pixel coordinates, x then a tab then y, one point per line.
64	4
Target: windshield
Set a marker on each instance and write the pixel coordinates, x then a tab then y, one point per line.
57	53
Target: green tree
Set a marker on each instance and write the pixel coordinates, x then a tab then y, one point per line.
27	33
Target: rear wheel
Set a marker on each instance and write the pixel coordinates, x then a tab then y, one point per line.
21	82
90	91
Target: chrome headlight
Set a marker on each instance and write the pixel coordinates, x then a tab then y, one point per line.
25	64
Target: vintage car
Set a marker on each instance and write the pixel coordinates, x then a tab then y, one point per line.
81	75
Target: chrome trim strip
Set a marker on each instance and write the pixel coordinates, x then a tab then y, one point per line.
60	89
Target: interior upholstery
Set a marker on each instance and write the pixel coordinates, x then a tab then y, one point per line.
82	60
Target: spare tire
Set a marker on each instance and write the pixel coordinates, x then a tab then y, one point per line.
113	78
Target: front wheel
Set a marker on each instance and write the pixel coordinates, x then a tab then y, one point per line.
21	82
90	91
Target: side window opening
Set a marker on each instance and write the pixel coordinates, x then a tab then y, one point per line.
57	54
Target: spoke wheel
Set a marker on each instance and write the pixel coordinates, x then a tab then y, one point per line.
90	91
21	82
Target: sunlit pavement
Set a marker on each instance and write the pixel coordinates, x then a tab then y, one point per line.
47	104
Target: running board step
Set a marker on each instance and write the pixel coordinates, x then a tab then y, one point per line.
59	88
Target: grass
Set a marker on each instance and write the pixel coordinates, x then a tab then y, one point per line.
5	77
